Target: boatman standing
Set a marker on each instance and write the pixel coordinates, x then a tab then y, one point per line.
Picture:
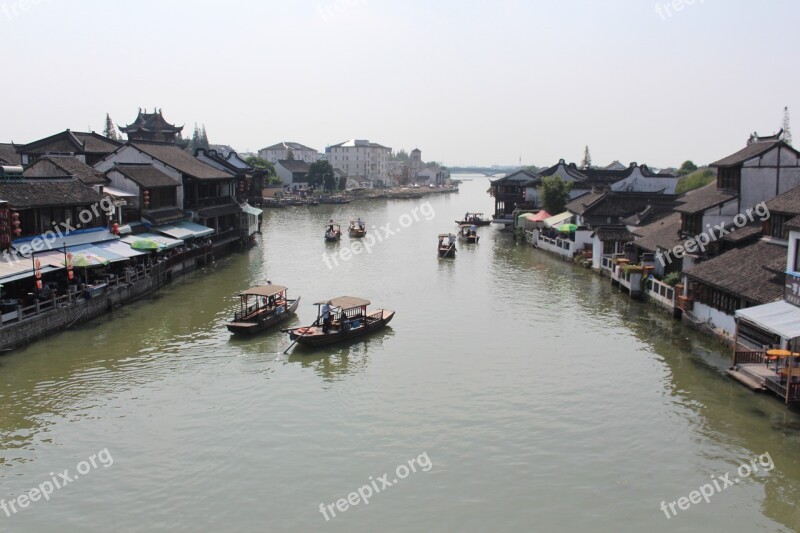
326	317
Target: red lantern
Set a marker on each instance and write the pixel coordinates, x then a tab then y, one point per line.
39	284
115	228
146	199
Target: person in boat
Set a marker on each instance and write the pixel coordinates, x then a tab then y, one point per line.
360	223
441	241
473	230
330	228
326	317
466	217
451	239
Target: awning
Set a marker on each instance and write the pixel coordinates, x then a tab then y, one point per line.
250	210
73	238
105	253
555	221
120	248
17	270
165	241
781	318
183	230
118	193
219	210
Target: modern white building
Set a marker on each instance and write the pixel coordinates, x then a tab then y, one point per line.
362	158
284	150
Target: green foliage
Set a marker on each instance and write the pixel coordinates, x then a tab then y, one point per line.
317	173
110	129
587	159
262	164
632	269
673	278
402	155
555	193
687	168
695	180
342	183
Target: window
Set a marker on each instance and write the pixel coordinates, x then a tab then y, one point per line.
797	255
777	227
728	179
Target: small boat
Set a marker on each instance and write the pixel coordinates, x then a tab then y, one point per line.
261	308
333	231
274	203
357	229
348	319
447	245
468	233
334	200
476	219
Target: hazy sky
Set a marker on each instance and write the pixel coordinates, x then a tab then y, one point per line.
465	81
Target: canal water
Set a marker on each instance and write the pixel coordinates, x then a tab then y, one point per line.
530	395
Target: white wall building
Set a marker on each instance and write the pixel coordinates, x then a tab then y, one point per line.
362	158
280	151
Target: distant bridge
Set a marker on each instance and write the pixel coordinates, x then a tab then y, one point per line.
486	171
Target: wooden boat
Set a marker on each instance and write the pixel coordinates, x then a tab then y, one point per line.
476	219
467	233
348	319
445	248
261	308
334	200
358	229
333	231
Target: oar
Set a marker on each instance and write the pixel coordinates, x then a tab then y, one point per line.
316	322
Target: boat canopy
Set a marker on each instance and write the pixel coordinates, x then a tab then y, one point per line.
346	302
444	235
778	317
465	225
558	220
264	290
474	214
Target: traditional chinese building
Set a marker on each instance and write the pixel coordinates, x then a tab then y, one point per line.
152	127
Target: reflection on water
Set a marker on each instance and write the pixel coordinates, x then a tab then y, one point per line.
542	395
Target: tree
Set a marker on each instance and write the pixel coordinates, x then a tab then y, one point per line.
204	138
329	182
587	159
787	127
687	168
110	130
317	172
262	164
194	143
555	193
342	182
289	154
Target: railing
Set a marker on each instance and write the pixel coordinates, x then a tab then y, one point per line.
110	283
661	291
775	386
748	358
561	244
212	201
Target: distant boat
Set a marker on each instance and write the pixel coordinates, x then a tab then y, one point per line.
334	200
445	248
272	202
357	229
348	319
333	231
467	233
474	218
261	308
